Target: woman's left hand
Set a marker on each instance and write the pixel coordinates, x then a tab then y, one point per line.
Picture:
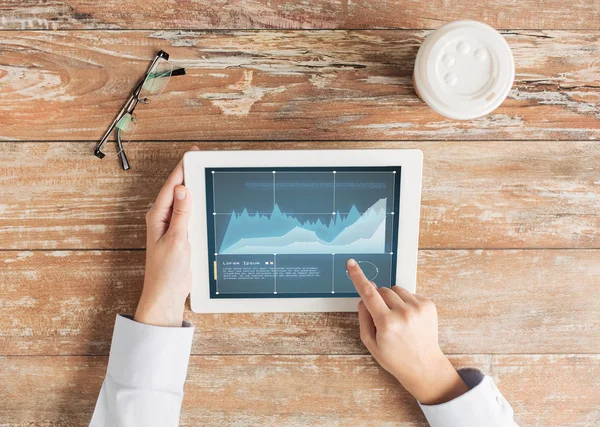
168	278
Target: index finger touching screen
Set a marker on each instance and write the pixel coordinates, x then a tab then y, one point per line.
368	293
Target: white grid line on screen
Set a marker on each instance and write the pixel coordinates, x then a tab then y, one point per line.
284	171
332	273
275	271
393	191
274	186
391	259
278	292
296	213
333	211
215	235
392	208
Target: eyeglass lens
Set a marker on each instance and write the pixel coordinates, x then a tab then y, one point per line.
157	80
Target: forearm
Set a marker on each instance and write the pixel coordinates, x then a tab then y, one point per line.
435	382
165	311
481	405
145	376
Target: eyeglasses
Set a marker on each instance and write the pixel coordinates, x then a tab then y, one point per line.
151	86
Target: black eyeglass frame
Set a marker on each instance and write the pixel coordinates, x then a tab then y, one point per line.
129	108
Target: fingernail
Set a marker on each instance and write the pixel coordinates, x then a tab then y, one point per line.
351	262
180	193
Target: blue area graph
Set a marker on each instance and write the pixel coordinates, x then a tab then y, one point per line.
281	233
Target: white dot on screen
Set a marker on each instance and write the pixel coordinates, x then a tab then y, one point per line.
332	213
333	292
275	292
394	172
216	293
216	254
274	171
214	213
391	253
213	172
392	213
334	172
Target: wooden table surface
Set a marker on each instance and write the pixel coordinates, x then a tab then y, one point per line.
510	229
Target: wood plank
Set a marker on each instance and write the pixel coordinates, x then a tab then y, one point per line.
275	85
204	14
475	194
518	301
551	390
302	390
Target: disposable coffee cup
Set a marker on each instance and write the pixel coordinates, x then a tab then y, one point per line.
464	70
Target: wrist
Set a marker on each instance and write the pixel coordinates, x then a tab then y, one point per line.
438	382
159	311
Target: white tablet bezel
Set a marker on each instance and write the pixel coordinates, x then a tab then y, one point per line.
194	165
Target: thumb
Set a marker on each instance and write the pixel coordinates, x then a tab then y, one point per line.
182	209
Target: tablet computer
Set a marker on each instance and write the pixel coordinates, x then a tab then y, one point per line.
271	231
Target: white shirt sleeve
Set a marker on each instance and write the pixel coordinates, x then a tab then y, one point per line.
482	405
146	372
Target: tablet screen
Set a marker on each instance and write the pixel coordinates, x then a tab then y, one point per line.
287	232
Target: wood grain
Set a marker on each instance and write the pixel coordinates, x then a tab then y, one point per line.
302	390
292	85
551	390
475	194
522	301
205	14
505	197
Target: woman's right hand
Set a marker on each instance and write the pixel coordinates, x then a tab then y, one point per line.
400	330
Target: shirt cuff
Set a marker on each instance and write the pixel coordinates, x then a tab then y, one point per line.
482	405
153	357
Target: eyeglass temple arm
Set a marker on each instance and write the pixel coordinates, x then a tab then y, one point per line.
122	156
97	151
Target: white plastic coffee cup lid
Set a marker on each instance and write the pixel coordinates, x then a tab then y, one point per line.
464	70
